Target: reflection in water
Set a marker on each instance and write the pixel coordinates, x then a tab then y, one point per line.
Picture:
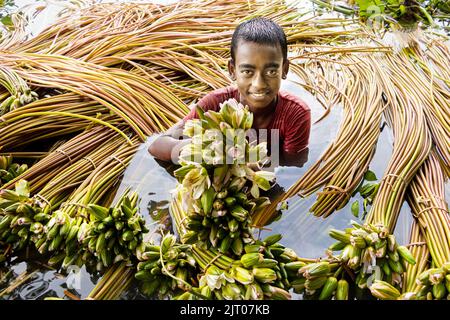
35	289
159	212
44	282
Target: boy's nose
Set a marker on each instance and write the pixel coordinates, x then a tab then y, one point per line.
258	81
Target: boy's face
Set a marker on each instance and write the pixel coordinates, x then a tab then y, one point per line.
258	70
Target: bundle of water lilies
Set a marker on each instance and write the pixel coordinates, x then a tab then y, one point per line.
267	270
19	93
371	254
220	191
320	280
264	271
98	236
107	236
9	169
434	284
115	232
213	207
166	268
21	219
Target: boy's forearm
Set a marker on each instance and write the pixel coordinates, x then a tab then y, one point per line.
167	148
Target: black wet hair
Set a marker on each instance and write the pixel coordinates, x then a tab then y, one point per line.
262	31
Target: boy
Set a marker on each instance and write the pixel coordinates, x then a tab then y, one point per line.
258	63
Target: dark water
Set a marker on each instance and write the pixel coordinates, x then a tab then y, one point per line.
303	232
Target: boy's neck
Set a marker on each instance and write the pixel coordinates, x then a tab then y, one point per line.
263	113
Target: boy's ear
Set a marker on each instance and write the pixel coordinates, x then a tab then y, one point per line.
285	69
232	69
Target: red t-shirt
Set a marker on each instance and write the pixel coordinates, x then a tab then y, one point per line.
292	116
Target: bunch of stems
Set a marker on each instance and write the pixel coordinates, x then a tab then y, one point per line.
320	68
101	23
99	186
112	24
419	250
139	103
434	64
174	43
113	283
320	78
148	34
364	119
63	184
57	161
426	198
51	117
15	35
178	215
412	140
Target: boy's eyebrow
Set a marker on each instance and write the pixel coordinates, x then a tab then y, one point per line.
246	66
272	65
267	65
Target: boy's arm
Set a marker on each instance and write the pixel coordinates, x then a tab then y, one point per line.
167	147
294	159
295	147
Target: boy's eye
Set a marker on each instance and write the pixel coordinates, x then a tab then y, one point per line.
246	72
272	72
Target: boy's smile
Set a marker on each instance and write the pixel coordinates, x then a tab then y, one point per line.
258	70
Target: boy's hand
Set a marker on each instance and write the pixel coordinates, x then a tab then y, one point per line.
175	154
167	147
